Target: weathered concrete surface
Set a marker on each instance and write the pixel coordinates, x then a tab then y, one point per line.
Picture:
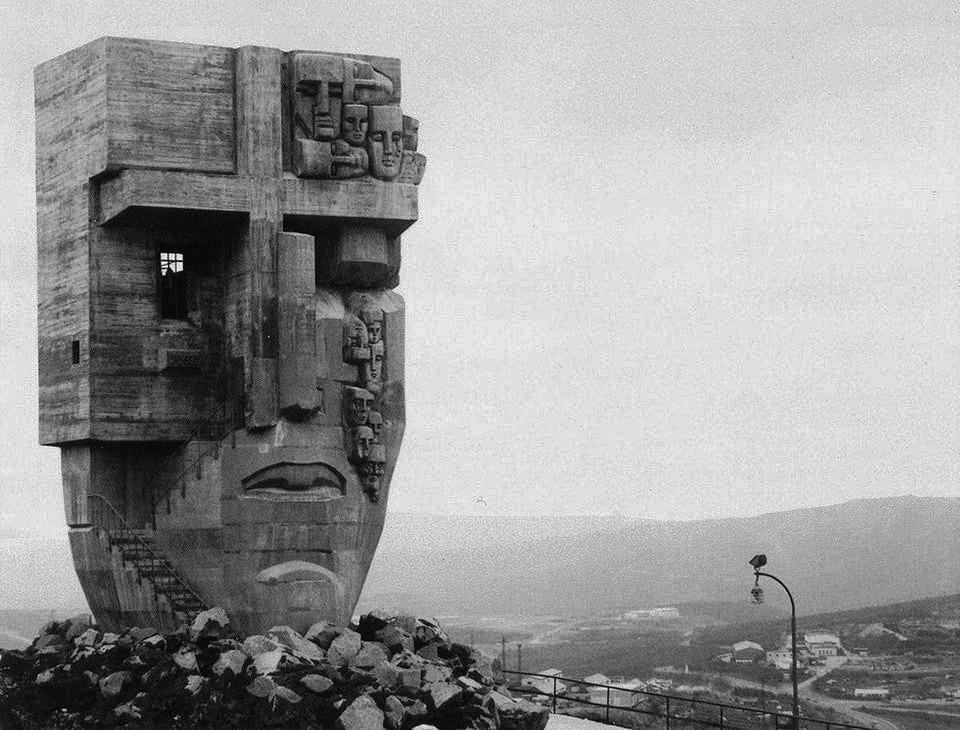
189	278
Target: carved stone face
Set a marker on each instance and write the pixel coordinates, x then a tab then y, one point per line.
362	441
371	473
375	422
354	127
357	403
385	141
373	319
411	133
373	368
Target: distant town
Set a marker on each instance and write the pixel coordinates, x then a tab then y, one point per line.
898	664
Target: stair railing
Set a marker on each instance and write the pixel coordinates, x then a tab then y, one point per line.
205	439
111	521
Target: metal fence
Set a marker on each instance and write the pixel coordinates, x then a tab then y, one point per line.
670	711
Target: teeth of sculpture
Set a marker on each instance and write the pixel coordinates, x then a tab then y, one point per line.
244	401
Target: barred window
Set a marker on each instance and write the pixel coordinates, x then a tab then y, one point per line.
173	285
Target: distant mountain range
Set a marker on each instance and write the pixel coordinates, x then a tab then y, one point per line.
860	553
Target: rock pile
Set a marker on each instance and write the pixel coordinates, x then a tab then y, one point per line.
386	672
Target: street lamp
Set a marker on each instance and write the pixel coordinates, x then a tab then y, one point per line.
757	562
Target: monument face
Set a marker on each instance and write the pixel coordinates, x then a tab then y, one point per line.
221	348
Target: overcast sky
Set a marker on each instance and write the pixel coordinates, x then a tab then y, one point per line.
675	260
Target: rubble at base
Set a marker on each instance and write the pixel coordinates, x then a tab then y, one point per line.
386	673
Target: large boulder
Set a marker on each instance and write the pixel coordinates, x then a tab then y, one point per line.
523	715
296	643
113	684
210	624
344	648
362	714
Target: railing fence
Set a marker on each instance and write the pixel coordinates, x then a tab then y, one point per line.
674	711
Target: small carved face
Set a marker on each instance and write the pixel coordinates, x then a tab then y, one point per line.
373	318
371	472
362	441
411	133
385	141
358	405
374	332
354	334
374	366
354	128
375	422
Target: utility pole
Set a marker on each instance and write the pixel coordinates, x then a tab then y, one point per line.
519	658
503	657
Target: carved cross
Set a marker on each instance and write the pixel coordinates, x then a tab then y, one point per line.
261	191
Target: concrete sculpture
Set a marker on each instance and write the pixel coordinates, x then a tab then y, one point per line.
221	348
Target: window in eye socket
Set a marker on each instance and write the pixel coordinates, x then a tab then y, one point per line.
173	285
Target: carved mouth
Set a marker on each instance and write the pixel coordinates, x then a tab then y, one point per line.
318	480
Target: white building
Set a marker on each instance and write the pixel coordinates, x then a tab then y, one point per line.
781	658
747	651
597	678
872	693
621	694
546	683
822	643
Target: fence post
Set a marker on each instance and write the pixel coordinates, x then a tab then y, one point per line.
554	695
608	705
668	712
721	717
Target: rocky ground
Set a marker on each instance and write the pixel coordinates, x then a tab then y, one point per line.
392	673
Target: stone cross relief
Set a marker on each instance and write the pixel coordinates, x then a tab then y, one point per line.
341	126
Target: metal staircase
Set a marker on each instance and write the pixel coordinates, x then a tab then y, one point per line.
138	548
187	459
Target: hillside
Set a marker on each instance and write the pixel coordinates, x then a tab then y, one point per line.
861	553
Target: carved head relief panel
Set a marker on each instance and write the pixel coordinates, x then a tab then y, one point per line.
344	124
356	405
411	133
385	141
354	127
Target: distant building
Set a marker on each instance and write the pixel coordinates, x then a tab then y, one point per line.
822	643
597	678
781	658
621	694
745	652
872	693
651	614
546	683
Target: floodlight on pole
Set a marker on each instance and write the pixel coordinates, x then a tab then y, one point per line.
757	562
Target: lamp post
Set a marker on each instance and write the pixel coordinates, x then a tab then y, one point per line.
757	562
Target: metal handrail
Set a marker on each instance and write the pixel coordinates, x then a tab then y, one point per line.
720	722
155	559
157	488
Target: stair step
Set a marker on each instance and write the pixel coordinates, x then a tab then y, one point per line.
136	553
159	572
125	539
